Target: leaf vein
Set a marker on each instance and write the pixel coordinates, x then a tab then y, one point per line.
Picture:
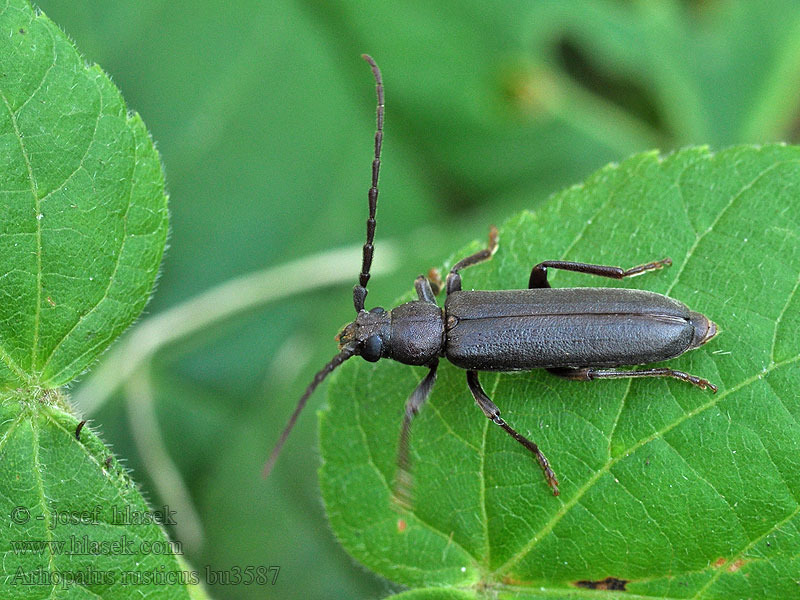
37	211
682	198
780	317
649	516
724	568
7	435
734	197
619	414
111	279
4	355
42	496
705	480
44	76
484	512
449	429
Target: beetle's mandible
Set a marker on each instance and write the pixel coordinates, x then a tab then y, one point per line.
576	333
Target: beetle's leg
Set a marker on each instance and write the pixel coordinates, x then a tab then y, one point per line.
453	277
435	279
539	272
403	480
490	409
588	374
424	291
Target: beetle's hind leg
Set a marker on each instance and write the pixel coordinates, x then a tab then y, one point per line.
538	277
588	374
454	278
490	409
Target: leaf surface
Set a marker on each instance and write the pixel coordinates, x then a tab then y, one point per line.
83	214
77	526
83	223
670	491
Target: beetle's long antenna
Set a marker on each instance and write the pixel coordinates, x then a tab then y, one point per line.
360	290
348	351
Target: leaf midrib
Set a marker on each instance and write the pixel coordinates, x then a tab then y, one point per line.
36	371
5	356
111	278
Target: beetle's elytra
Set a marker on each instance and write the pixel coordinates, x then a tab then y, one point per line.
576	333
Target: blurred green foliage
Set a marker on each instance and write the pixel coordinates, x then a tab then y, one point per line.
264	113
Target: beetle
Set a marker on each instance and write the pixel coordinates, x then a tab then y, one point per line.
576	333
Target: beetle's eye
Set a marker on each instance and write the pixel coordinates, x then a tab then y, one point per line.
371	350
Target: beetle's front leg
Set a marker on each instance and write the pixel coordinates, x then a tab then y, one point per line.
490	409
403	480
454	278
424	290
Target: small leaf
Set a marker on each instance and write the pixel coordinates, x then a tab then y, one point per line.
75	520
83	214
674	491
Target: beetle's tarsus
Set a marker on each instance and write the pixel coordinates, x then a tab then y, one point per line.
453	282
589	374
494	236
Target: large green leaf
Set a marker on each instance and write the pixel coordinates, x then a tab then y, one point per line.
83	222
668	490
83	215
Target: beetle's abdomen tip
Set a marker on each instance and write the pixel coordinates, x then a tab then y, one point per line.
712	331
704	328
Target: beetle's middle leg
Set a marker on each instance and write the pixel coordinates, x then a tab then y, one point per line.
538	277
490	409
454	278
588	374
403	480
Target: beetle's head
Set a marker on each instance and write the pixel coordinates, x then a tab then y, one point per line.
369	332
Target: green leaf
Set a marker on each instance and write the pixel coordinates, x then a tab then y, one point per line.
83	215
75	521
83	223
671	490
